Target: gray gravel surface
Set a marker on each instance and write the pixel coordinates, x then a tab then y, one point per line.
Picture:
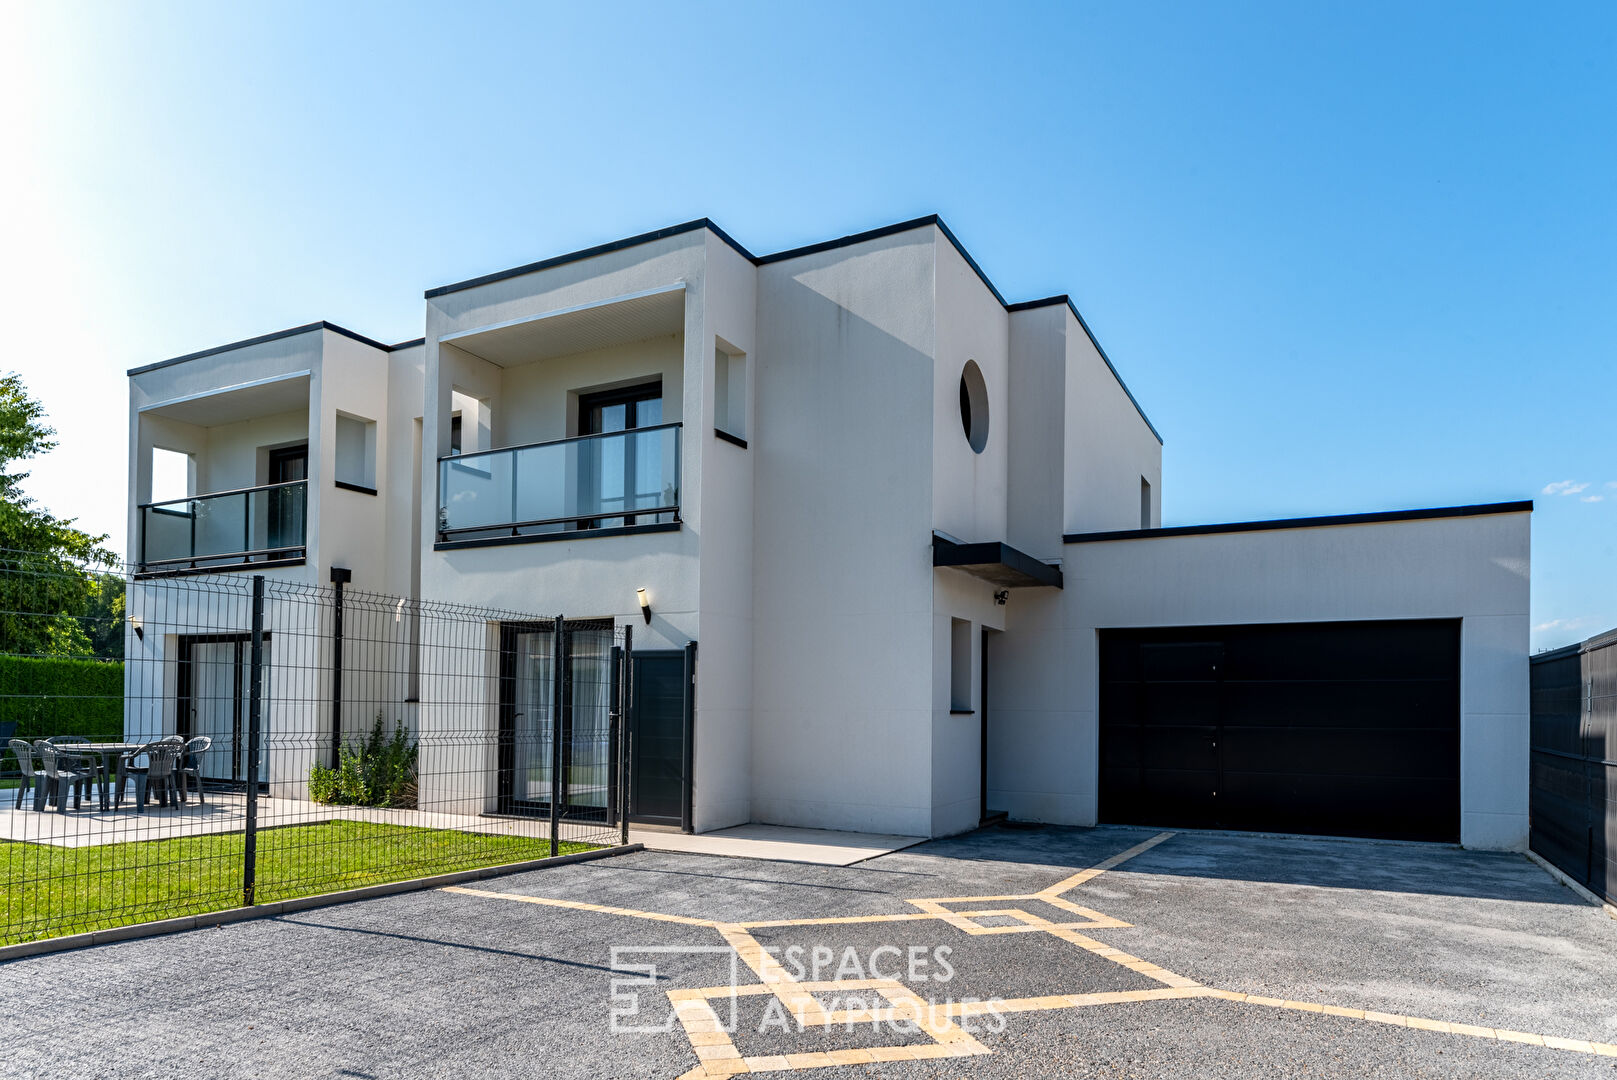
439	984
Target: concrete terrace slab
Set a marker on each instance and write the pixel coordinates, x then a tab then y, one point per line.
778	843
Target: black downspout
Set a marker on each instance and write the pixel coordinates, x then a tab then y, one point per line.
687	822
340	576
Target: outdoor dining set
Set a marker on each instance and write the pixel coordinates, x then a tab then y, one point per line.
70	765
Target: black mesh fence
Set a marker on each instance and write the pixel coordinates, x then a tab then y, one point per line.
1573	795
225	740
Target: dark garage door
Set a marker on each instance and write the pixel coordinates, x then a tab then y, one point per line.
1349	729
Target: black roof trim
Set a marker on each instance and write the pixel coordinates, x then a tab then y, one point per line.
412	343
994	561
1051	301
591	252
307	328
1477	510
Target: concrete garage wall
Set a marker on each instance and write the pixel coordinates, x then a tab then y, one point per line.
1474	568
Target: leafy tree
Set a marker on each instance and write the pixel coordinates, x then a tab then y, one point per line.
53	600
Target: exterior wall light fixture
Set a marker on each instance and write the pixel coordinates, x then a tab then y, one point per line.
645	603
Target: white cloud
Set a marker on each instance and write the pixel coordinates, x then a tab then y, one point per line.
1564	487
1593	498
1564	624
1612	484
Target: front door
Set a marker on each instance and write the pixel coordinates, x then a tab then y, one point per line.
530	725
214	686
659	713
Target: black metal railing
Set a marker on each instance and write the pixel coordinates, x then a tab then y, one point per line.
255	525
615	480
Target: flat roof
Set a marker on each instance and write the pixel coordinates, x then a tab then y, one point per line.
799	252
1475	510
306	328
929	220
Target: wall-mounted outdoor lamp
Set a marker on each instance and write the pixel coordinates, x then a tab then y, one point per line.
140	631
645	603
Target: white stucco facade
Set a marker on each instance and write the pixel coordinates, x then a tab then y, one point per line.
816	398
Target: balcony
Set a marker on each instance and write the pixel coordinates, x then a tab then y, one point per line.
257	527
602	484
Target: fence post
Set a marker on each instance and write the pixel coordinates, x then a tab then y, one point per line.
558	662
625	700
340	576
255	708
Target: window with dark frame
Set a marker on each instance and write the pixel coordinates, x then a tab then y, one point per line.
623	474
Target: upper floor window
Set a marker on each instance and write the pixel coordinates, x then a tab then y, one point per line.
621	410
974	406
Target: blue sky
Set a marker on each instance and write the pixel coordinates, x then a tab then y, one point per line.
1348	257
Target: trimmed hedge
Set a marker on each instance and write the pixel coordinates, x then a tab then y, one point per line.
47	696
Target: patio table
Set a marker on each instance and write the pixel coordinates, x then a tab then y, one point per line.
102	751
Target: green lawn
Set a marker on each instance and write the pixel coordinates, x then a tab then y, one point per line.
46	891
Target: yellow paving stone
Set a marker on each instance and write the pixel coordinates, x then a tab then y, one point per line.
767	1063
709	1038
726	1067
932	1050
891	1053
1519	1036
1471	1029
1605	1049
808	1061
1384	1018
1569	1044
1258	999
1429	1025
851	1057
693	1026
1305	1006
1356	1014
716	1053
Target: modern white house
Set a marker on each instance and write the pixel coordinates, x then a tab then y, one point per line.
912	529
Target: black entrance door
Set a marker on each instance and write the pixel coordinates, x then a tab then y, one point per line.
661	743
1348	729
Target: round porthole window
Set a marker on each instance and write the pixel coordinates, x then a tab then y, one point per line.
974	406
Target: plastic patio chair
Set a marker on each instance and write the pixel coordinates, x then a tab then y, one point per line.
65	773
162	762
23	751
191	766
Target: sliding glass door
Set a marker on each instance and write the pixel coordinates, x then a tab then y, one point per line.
214	687
530	724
